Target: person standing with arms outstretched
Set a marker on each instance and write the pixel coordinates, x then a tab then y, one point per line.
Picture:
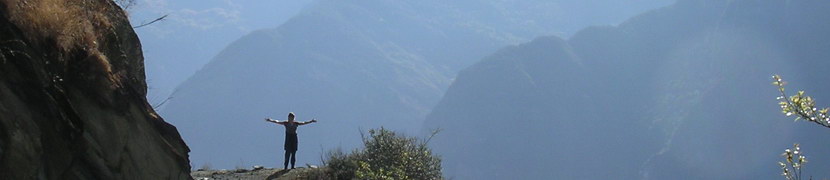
290	137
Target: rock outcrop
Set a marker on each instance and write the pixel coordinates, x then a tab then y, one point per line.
72	96
256	173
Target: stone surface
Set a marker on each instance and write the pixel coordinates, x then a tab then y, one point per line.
258	174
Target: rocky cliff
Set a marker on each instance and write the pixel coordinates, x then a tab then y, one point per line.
72	96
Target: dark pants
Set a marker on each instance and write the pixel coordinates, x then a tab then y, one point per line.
290	149
293	156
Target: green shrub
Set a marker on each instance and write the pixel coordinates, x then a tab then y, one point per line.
386	155
341	165
392	156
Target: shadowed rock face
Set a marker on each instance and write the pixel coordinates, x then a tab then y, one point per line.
72	104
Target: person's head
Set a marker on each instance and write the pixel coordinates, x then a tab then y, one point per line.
291	117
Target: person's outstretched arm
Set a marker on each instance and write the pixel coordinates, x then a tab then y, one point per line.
275	121
307	122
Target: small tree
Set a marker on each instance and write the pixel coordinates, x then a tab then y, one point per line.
803	107
392	156
386	155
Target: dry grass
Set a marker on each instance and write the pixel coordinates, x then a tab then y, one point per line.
70	26
68	23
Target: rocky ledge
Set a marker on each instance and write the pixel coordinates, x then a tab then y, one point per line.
256	173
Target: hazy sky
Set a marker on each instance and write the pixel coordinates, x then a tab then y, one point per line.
351	64
357	64
195	31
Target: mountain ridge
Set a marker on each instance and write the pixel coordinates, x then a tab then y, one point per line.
351	65
681	90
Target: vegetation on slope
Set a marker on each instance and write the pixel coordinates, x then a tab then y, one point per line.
386	155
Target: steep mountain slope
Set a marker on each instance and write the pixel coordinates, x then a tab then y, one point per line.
525	112
678	93
205	27
72	97
352	65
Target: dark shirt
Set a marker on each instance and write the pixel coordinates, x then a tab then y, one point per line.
291	127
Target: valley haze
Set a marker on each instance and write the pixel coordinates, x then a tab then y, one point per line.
535	89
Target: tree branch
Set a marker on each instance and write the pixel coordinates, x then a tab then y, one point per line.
151	22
